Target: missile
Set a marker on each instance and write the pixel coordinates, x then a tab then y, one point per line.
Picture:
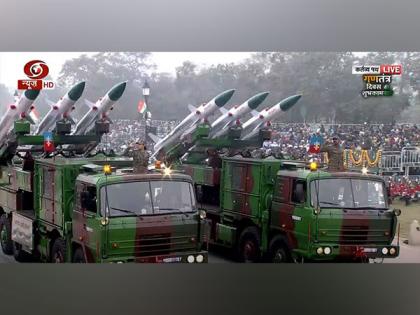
251	127
61	109
196	116
100	109
221	125
20	109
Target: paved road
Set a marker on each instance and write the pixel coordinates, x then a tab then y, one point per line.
408	254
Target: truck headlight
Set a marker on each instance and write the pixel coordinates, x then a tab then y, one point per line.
199	258
327	250
190	259
202	214
392	251
384	250
319	250
397	212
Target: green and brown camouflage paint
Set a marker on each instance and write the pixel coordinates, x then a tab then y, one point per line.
57	212
258	192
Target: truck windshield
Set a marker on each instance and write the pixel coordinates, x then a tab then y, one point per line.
348	193
147	198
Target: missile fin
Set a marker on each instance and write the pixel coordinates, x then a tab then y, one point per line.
155	138
223	110
89	104
191	108
255	113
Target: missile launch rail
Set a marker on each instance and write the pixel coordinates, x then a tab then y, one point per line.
194	149
20	139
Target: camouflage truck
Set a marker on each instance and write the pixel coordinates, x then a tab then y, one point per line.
281	211
97	210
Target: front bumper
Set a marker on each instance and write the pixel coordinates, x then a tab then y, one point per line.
353	251
183	257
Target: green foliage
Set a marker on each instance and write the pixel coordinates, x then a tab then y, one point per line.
331	93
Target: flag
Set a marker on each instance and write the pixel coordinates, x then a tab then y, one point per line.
48	142
315	143
142	107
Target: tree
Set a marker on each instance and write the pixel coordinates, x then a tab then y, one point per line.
103	70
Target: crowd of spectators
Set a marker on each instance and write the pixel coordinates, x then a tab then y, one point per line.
404	187
291	139
124	132
294	139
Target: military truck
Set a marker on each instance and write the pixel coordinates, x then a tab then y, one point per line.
96	210
283	211
67	204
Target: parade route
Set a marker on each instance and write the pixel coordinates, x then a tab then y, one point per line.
408	254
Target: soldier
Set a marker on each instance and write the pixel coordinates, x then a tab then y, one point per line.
335	155
215	160
140	156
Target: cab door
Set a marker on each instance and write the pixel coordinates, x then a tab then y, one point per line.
86	223
290	214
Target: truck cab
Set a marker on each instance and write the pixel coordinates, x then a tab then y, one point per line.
323	215
136	218
97	210
282	211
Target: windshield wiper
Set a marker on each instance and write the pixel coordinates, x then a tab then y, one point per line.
176	211
124	210
369	208
330	203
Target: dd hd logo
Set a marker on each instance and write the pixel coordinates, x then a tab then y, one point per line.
35	70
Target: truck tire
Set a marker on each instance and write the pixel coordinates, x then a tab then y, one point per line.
79	256
248	246
6	235
278	251
58	251
19	254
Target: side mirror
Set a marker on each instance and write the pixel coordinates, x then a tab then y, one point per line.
199	193
299	193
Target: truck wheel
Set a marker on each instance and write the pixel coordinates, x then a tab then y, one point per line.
6	235
249	245
58	251
278	250
19	254
78	256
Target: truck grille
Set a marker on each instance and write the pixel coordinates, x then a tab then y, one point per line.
354	235
148	245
